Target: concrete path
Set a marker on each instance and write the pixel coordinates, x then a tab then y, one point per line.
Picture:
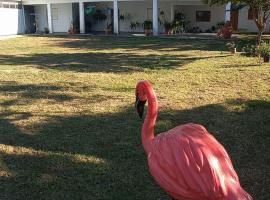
5	37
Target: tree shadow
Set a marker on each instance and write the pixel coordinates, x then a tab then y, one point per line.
110	161
29	92
100	62
23	94
136	43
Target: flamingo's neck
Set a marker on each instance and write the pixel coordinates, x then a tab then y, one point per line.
150	120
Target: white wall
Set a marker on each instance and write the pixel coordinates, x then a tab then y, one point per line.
244	24
217	15
41	17
138	12
11	21
64	17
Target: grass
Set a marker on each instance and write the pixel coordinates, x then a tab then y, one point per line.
68	129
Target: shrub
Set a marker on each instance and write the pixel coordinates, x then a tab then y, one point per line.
263	49
249	51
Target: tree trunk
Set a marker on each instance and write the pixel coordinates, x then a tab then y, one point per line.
259	39
260	21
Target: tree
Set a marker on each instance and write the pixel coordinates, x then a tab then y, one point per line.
260	17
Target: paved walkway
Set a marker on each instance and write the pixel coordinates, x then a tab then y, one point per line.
5	37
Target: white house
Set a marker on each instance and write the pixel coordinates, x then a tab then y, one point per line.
58	16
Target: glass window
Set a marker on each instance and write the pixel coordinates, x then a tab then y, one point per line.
149	13
55	14
252	13
12	6
5	5
203	16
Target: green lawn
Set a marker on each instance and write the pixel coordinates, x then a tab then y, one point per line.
68	129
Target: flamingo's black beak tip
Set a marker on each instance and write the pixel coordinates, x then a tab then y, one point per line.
139	105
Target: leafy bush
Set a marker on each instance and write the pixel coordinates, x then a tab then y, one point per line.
263	49
249	51
147	24
231	45
134	25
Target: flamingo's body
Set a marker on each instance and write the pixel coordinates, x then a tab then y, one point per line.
187	161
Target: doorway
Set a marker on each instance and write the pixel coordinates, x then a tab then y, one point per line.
234	19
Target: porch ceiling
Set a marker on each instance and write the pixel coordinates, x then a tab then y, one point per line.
182	2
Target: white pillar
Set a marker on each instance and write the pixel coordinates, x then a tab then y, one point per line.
228	12
49	14
155	17
172	12
115	17
82	23
24	25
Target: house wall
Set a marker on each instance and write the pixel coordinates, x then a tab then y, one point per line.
41	17
11	21
244	24
140	11
217	15
61	22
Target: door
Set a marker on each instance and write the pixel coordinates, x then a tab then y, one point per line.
234	19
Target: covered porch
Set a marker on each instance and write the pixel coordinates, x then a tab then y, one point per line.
121	16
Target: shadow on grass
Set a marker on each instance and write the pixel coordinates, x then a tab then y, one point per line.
100	62
135	43
100	156
29	92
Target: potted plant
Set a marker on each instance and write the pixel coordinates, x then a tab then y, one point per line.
46	30
122	17
264	51
168	27
108	29
147	26
134	25
232	47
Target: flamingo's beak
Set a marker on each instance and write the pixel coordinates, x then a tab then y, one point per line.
139	105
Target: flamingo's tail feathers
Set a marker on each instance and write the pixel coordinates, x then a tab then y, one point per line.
238	193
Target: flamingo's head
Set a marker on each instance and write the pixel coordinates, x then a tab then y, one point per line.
141	97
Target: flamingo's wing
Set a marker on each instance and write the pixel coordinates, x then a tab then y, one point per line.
189	163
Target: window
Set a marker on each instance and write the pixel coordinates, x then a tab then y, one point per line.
203	16
149	13
5	5
54	13
12	6
252	13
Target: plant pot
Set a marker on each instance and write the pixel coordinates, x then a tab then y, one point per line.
266	58
147	32
108	31
233	50
168	31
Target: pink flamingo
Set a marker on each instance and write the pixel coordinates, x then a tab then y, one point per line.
186	161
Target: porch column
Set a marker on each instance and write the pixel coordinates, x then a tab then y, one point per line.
155	17
228	12
115	17
82	23
172	12
24	25
49	14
